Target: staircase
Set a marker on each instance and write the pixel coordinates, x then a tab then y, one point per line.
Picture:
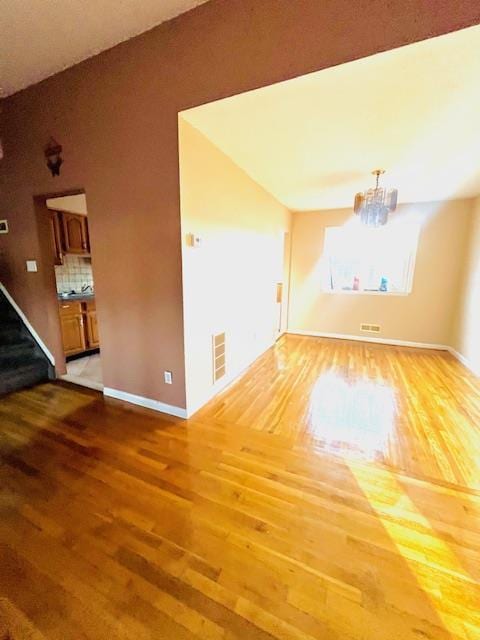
22	362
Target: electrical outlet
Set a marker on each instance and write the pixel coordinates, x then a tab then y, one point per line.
168	377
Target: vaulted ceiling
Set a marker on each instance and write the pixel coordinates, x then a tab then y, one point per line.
38	38
313	141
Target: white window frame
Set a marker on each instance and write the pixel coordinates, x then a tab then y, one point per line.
410	264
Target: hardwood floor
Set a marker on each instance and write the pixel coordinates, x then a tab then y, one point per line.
332	493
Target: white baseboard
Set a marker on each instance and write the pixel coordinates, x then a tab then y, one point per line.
25	321
389	341
148	403
466	363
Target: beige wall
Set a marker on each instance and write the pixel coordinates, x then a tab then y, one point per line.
466	330
424	316
229	282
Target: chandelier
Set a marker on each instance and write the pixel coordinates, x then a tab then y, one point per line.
374	205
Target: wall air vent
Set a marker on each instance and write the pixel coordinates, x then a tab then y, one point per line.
370	328
218	352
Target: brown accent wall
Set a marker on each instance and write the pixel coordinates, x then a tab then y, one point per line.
116	117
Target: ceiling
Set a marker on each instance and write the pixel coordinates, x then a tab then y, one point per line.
41	37
70	204
313	141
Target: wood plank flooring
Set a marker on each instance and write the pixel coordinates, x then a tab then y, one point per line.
332	493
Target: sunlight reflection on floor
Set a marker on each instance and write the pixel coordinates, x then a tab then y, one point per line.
423	549
356	420
352	417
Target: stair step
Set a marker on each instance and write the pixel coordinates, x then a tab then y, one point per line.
14	362
7	316
25	375
22	364
13	335
9	323
6	308
9	353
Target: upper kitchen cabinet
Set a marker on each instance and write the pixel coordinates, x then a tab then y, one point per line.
57	237
75	232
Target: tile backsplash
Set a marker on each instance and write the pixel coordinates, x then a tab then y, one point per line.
73	274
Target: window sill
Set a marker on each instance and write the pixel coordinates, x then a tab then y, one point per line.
341	292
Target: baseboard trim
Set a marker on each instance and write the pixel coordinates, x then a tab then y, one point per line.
148	403
388	341
25	321
466	363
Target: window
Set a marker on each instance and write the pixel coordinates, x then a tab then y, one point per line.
370	260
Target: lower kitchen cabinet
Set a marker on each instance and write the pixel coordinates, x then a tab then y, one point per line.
73	334
79	326
92	326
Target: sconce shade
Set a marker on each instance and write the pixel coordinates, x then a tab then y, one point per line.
53	152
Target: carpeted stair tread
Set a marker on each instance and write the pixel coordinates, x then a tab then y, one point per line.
17	350
22	362
10	335
24	375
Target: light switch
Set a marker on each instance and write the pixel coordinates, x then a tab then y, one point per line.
168	377
32	265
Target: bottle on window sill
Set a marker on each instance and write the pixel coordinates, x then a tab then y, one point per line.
356	283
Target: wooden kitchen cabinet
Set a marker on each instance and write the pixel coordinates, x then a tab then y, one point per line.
93	340
73	329
78	320
75	233
57	237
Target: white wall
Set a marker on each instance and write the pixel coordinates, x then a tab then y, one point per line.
466	330
229	283
424	316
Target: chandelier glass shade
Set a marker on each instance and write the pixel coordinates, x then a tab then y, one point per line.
374	205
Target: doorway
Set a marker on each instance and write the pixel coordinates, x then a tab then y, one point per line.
75	289
283	286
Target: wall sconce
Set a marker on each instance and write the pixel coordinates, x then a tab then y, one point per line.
53	152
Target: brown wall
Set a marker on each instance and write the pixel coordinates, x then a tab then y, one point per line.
116	117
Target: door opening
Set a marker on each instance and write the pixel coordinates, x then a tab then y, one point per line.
75	288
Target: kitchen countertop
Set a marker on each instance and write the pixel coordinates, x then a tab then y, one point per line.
77	297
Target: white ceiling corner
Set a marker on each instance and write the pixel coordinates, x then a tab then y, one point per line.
39	38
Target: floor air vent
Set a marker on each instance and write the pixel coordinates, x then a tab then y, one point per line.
218	348
370	328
